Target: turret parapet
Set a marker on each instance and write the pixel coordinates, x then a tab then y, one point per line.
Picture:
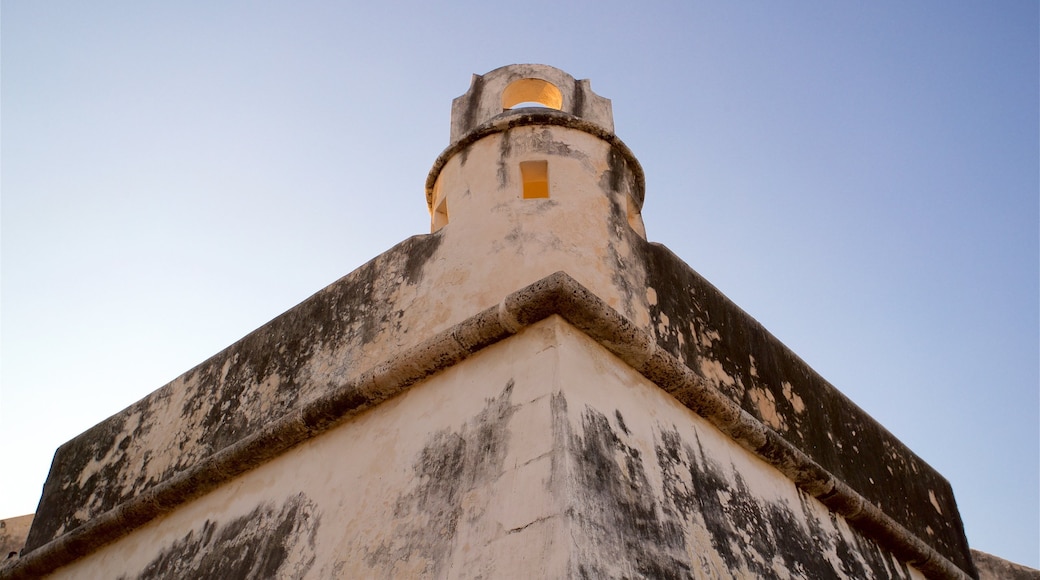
502	89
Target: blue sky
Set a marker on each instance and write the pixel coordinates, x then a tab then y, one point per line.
862	178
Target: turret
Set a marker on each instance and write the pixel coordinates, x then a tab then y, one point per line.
535	181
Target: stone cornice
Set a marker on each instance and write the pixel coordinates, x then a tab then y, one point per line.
557	294
537	117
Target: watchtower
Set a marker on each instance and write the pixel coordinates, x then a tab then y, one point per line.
534	180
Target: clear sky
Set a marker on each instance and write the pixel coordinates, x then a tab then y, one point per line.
860	177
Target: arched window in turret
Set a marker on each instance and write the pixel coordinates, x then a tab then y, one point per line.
531	92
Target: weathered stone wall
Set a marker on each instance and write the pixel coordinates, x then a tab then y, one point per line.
658	492
557	294
993	568
424	485
13	532
483	101
323	342
737	356
495	244
543	455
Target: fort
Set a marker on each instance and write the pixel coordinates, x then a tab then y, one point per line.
531	390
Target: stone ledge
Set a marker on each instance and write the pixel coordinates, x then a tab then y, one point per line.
736	356
557	294
538	117
993	568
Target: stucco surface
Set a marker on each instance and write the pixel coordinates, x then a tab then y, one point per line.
658	492
13	532
543	453
482	101
495	243
737	356
324	341
423	485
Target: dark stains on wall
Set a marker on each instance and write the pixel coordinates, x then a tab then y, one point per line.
475	92
451	464
543	141
706	329
617	171
269	542
578	106
223	402
619	530
505	147
106	443
621	422
418	256
349	312
627	273
753	535
628	527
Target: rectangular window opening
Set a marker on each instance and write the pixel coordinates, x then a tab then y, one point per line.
535	175
635	218
440	215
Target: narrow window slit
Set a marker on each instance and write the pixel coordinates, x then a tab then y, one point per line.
440	215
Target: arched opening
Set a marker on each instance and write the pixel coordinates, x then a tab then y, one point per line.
530	92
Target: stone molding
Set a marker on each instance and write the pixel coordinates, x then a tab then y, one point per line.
557	294
538	117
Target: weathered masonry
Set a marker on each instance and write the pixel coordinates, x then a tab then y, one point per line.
530	390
